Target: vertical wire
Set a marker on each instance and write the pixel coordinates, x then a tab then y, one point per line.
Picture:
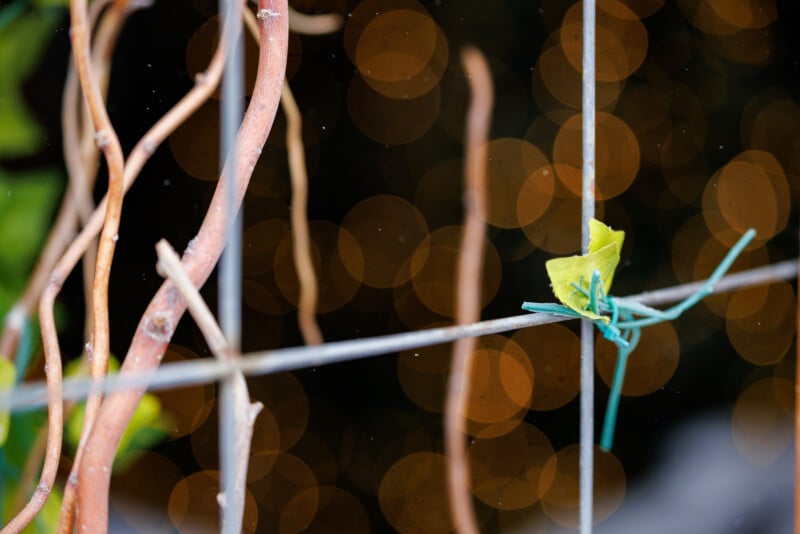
229	274
586	456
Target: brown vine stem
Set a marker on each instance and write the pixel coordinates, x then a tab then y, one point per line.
113	152
797	425
468	284
169	266
314	24
205	83
98	348
64	227
304	265
159	320
307	302
103	46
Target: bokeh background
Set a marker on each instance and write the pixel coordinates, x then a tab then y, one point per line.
698	131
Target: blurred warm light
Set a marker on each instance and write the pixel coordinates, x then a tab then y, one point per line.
562	81
703	17
318	455
530	520
650	365
617	154
265	442
501	381
686	243
203	44
286	399
387	120
535	195
193	505
423	375
762	429
645	110
558	230
559	486
338	511
510	163
365	13
751	191
554	351
259	243
750	47
410	310
738	31
435	266
708	256
645	8
765	335
195	144
262	295
376	440
469	21
188	407
753	14
771	122
402	53
436	191
147	485
620	36
319	95
336	283
413	496
389	230
288	495
505	471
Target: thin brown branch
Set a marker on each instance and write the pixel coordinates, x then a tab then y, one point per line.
205	83
98	348
307	303
314	24
65	226
797	425
468	288
159	320
245	413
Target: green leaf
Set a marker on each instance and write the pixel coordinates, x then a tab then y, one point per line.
8	374
605	245
22	42
20	135
26	206
24	35
148	426
51	3
25	428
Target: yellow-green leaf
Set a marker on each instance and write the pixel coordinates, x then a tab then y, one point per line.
605	245
8	374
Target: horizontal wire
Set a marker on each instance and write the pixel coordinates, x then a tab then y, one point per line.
201	371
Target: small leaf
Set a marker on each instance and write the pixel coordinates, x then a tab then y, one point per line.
8	374
148	426
23	40
605	245
26	207
21	135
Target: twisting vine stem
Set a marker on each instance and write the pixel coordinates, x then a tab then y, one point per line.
468	292
245	412
98	348
159	320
